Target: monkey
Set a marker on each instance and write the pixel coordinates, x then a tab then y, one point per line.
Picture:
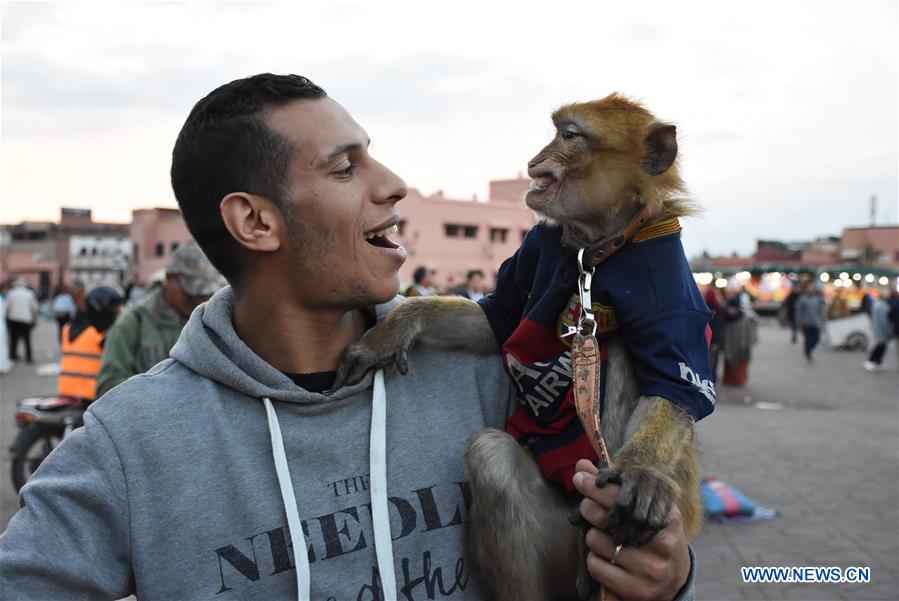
610	164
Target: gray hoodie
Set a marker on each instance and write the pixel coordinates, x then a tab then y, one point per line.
172	488
197	479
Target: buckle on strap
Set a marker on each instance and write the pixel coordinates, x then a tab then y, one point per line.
586	322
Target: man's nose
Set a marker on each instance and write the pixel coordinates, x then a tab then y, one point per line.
391	187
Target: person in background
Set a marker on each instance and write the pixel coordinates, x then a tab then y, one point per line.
133	294
421	283
739	337
5	363
64	308
715	302
21	317
790	310
82	342
144	335
474	285
810	310
881	328
894	315
866	303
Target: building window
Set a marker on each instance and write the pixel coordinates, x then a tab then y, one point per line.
454	230
136	254
498	234
160	249
174	246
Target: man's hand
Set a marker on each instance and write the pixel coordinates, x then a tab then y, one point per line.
657	570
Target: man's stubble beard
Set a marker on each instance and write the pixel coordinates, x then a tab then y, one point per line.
312	251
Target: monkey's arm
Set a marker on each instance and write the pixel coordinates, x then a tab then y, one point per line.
654	468
451	322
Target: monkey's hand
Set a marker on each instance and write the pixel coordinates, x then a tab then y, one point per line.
446	321
646	468
643	505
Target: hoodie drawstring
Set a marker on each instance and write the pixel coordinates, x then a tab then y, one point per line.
378	490
377	462
301	558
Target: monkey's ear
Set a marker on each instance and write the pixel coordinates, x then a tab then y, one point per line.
661	148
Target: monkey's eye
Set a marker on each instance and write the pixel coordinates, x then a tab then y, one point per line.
569	134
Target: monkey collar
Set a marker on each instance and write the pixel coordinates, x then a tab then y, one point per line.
601	250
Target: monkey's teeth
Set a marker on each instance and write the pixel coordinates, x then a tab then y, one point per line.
543	182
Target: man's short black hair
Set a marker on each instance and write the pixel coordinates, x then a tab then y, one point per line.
473	273
226	146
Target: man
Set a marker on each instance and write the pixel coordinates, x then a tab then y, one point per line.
82	343
144	336
810	309
881	329
21	316
790	308
232	470
421	283
474	285
893	314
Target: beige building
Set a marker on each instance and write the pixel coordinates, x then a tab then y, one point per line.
47	254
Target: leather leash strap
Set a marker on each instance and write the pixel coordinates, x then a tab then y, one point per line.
585	358
585	362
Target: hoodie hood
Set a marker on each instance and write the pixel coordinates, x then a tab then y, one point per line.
210	346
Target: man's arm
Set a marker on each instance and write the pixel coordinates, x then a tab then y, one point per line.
71	537
661	569
119	350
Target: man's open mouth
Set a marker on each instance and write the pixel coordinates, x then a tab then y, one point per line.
379	238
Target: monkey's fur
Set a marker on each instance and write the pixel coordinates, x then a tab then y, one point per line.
608	159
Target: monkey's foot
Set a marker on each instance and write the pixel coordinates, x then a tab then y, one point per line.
360	357
643	505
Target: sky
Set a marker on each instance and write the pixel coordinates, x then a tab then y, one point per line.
786	111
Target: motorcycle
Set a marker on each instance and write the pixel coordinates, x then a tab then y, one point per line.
43	422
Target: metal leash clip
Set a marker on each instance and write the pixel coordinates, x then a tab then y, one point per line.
586	322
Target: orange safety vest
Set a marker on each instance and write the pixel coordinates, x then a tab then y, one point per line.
80	363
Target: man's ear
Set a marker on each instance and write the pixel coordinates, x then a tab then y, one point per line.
253	221
660	145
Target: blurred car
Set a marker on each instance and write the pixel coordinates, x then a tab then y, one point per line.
852	333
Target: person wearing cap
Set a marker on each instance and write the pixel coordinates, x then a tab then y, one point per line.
144	336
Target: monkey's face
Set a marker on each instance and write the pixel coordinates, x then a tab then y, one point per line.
596	166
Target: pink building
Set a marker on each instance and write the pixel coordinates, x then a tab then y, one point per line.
155	234
874	245
454	236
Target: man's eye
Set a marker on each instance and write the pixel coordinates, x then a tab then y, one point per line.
347	170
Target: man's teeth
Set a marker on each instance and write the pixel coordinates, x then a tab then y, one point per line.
387	231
